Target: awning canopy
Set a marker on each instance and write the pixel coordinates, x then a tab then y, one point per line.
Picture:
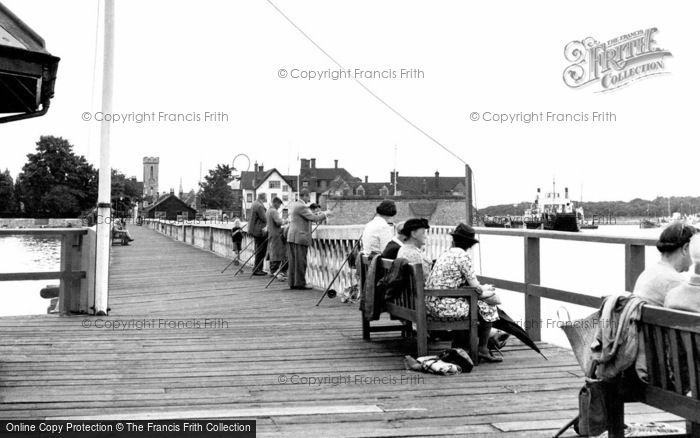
27	70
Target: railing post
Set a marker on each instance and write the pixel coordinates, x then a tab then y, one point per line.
69	288
634	264
532	276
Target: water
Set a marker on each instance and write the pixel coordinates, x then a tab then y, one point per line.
26	254
595	269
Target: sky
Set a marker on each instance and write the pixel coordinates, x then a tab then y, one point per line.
505	57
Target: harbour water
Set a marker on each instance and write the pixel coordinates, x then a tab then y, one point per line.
591	268
26	254
596	269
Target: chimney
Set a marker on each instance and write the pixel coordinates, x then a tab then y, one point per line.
437	179
172	191
566	193
336	164
255	175
313	163
261	169
304	163
425	186
366	179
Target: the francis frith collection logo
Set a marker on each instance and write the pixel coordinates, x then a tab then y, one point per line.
616	62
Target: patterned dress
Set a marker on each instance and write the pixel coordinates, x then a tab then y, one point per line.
452	270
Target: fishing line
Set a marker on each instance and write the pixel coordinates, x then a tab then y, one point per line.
379	99
372	93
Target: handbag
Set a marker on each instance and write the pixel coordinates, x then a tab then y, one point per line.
592	412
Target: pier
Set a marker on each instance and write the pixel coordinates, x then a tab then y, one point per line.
183	340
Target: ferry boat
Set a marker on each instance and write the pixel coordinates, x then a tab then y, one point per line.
554	212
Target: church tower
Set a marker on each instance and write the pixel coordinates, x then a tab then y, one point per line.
150	178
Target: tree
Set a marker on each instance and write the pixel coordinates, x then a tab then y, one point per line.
8	202
215	192
55	182
126	192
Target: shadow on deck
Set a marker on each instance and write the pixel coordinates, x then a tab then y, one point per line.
238	350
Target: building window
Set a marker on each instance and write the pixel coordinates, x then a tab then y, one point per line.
383	191
285	198
285	188
360	192
250	197
272	196
305	184
275	184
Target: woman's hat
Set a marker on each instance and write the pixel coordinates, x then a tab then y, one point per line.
387	208
414	224
466	232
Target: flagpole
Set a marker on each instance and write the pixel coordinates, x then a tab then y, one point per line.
104	211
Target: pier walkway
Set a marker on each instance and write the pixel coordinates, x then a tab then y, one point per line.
246	352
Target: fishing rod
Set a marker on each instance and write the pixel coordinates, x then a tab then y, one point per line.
251	257
286	262
246	247
332	292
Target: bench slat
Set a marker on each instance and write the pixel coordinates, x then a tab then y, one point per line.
649	349
674	353
693	371
660	355
675	319
680	405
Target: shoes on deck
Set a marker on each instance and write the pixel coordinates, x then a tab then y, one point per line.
259	273
301	288
483	357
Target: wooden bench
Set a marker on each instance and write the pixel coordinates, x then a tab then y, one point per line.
672	345
409	308
120	236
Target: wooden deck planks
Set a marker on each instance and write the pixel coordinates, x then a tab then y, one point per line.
55	367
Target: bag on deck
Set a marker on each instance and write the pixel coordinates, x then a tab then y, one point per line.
592	414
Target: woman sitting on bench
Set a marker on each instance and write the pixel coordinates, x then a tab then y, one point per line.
120	226
658	279
454	269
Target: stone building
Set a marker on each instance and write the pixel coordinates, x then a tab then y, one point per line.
439	199
150	179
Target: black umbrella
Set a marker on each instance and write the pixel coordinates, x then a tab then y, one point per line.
507	324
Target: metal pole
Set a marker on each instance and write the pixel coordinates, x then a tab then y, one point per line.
468	194
104	226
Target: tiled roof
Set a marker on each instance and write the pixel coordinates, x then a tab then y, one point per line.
162	199
247	179
410	185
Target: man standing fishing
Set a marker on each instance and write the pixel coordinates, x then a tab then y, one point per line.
299	239
276	247
258	229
